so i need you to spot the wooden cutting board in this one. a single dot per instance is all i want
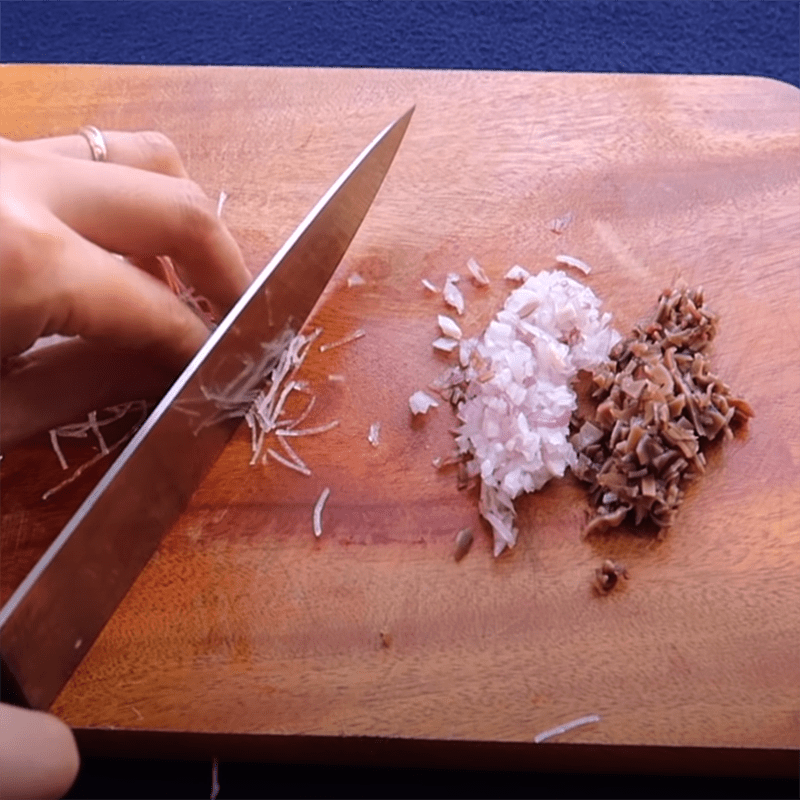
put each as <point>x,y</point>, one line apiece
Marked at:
<point>244,623</point>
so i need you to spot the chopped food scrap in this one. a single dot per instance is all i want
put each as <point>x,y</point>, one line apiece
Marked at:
<point>318,511</point>
<point>449,327</point>
<point>452,294</point>
<point>658,405</point>
<point>463,543</point>
<point>479,277</point>
<point>223,196</point>
<point>420,402</point>
<point>93,424</point>
<point>339,342</point>
<point>512,391</point>
<point>574,262</point>
<point>518,274</point>
<point>355,280</point>
<point>567,726</point>
<point>429,286</point>
<point>559,224</point>
<point>607,576</point>
<point>374,436</point>
<point>445,344</point>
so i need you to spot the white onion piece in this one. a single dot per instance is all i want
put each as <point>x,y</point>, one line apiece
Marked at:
<point>420,402</point>
<point>452,294</point>
<point>518,396</point>
<point>445,344</point>
<point>374,435</point>
<point>429,286</point>
<point>517,273</point>
<point>479,277</point>
<point>574,262</point>
<point>449,327</point>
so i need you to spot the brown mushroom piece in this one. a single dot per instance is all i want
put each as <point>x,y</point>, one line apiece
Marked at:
<point>657,404</point>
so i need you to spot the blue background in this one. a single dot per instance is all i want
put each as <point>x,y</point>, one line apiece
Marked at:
<point>683,36</point>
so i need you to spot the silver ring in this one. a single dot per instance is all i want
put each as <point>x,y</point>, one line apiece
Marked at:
<point>97,142</point>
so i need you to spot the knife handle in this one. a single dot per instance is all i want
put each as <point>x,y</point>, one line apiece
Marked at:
<point>10,691</point>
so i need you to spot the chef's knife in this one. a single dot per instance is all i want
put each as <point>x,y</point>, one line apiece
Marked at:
<point>57,612</point>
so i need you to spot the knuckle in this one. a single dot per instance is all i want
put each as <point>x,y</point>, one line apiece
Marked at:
<point>159,154</point>
<point>24,248</point>
<point>198,216</point>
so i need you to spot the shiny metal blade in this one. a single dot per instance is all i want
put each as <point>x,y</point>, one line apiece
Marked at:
<point>55,615</point>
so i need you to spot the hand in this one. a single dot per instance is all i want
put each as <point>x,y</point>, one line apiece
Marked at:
<point>63,220</point>
<point>38,755</point>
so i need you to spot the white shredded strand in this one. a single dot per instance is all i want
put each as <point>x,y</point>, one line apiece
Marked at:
<point>567,726</point>
<point>223,196</point>
<point>287,390</point>
<point>328,426</point>
<point>96,431</point>
<point>257,445</point>
<point>251,423</point>
<point>263,409</point>
<point>429,286</point>
<point>293,423</point>
<point>292,453</point>
<point>78,430</point>
<point>215,787</point>
<point>288,462</point>
<point>114,410</point>
<point>336,377</point>
<point>57,448</point>
<point>187,294</point>
<point>347,339</point>
<point>318,511</point>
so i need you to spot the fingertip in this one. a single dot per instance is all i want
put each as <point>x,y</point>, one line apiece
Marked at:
<point>39,756</point>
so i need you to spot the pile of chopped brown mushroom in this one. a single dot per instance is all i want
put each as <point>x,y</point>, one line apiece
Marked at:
<point>658,404</point>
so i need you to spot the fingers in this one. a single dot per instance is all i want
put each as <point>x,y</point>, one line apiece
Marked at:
<point>143,213</point>
<point>38,754</point>
<point>192,234</point>
<point>148,150</point>
<point>107,300</point>
<point>79,377</point>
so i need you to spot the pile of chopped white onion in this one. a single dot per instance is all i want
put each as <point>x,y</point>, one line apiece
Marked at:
<point>514,398</point>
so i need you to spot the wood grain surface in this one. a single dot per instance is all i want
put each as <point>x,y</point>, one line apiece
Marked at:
<point>244,623</point>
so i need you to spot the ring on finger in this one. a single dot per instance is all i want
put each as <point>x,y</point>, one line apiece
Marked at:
<point>97,142</point>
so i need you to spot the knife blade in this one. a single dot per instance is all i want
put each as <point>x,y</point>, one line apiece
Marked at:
<point>57,612</point>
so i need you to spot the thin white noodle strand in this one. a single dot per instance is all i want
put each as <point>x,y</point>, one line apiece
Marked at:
<point>308,431</point>
<point>347,339</point>
<point>57,448</point>
<point>292,453</point>
<point>318,511</point>
<point>287,463</point>
<point>567,726</point>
